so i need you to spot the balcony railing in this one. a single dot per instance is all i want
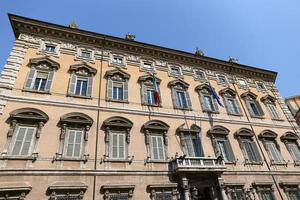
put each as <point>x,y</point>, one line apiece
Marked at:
<point>193,164</point>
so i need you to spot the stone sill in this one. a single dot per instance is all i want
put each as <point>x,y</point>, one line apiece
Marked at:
<point>36,91</point>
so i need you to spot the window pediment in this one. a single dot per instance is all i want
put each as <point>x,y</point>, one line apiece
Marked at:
<point>178,84</point>
<point>228,92</point>
<point>43,63</point>
<point>268,99</point>
<point>268,134</point>
<point>249,94</point>
<point>77,118</point>
<point>82,69</point>
<point>156,125</point>
<point>244,132</point>
<point>289,136</point>
<point>193,129</point>
<point>219,130</point>
<point>30,114</point>
<point>118,122</point>
<point>117,75</point>
<point>148,79</point>
<point>14,190</point>
<point>203,88</point>
<point>66,189</point>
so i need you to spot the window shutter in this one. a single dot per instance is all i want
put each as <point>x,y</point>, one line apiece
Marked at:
<point>215,103</point>
<point>109,89</point>
<point>229,150</point>
<point>227,105</point>
<point>72,84</point>
<point>249,151</point>
<point>121,146</point>
<point>49,80</point>
<point>294,150</point>
<point>174,98</point>
<point>27,142</point>
<point>144,96</point>
<point>160,147</point>
<point>78,141</point>
<point>89,87</point>
<point>189,146</point>
<point>238,106</point>
<point>70,145</point>
<point>154,147</point>
<point>158,88</point>
<point>261,112</point>
<point>125,92</point>
<point>256,152</point>
<point>114,146</point>
<point>29,80</point>
<point>202,102</point>
<point>188,99</point>
<point>249,108</point>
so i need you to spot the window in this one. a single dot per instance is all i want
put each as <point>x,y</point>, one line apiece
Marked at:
<point>199,75</point>
<point>14,191</point>
<point>249,147</point>
<point>150,90</point>
<point>222,79</point>
<point>260,86</point>
<point>74,143</point>
<point>41,74</point>
<point>231,103</point>
<point>264,190</point>
<point>117,86</point>
<point>221,144</point>
<point>290,140</point>
<point>64,190</point>
<point>164,191</point>
<point>86,54</point>
<point>190,141</point>
<point>294,195</point>
<point>81,80</point>
<point>235,192</point>
<point>118,60</point>
<point>117,192</point>
<point>117,138</point>
<point>291,190</point>
<point>24,133</point>
<point>253,106</point>
<point>180,96</point>
<point>270,103</point>
<point>50,48</point>
<point>242,83</point>
<point>208,102</point>
<point>175,71</point>
<point>147,65</point>
<point>156,140</point>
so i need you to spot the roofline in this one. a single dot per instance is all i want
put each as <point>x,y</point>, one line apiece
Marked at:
<point>292,97</point>
<point>13,18</point>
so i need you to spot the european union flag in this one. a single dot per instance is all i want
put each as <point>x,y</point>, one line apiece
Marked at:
<point>215,95</point>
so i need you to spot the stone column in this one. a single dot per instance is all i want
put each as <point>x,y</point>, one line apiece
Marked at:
<point>222,190</point>
<point>186,188</point>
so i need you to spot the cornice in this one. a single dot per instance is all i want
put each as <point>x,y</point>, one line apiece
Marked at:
<point>31,26</point>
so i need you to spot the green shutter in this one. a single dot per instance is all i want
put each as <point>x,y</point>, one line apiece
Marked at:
<point>72,84</point>
<point>109,89</point>
<point>125,90</point>
<point>30,78</point>
<point>89,87</point>
<point>49,81</point>
<point>78,141</point>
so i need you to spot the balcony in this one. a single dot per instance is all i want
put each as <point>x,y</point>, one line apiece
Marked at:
<point>198,164</point>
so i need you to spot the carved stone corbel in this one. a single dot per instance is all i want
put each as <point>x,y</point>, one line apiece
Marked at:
<point>107,130</point>
<point>81,194</point>
<point>39,129</point>
<point>128,136</point>
<point>63,131</point>
<point>86,129</point>
<point>53,196</point>
<point>165,138</point>
<point>130,193</point>
<point>147,139</point>
<point>12,127</point>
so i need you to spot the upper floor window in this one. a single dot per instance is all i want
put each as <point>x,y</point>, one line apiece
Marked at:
<point>175,71</point>
<point>222,79</point>
<point>269,140</point>
<point>261,86</point>
<point>150,91</point>
<point>50,48</point>
<point>231,103</point>
<point>199,75</point>
<point>207,100</point>
<point>164,192</point>
<point>117,85</point>
<point>252,104</point>
<point>147,65</point>
<point>86,54</point>
<point>24,132</point>
<point>242,83</point>
<point>180,96</point>
<point>270,103</point>
<point>117,192</point>
<point>156,140</point>
<point>41,74</point>
<point>248,146</point>
<point>221,144</point>
<point>81,80</point>
<point>117,138</point>
<point>118,60</point>
<point>291,142</point>
<point>191,141</point>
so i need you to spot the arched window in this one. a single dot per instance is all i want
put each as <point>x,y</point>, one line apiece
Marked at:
<point>40,76</point>
<point>149,87</point>
<point>269,140</point>
<point>248,146</point>
<point>252,104</point>
<point>270,103</point>
<point>291,142</point>
<point>156,140</point>
<point>190,140</point>
<point>117,138</point>
<point>73,136</point>
<point>25,129</point>
<point>231,103</point>
<point>81,80</point>
<point>208,102</point>
<point>180,95</point>
<point>221,144</point>
<point>117,85</point>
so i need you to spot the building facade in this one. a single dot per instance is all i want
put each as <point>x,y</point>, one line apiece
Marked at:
<point>293,104</point>
<point>91,116</point>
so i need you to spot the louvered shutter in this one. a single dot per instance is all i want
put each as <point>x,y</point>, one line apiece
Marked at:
<point>144,96</point>
<point>89,87</point>
<point>30,78</point>
<point>256,152</point>
<point>125,92</point>
<point>227,105</point>
<point>189,146</point>
<point>202,102</point>
<point>261,112</point>
<point>154,147</point>
<point>114,145</point>
<point>121,144</point>
<point>49,81</point>
<point>160,147</point>
<point>215,103</point>
<point>28,141</point>
<point>250,108</point>
<point>72,84</point>
<point>109,89</point>
<point>77,144</point>
<point>188,100</point>
<point>70,145</point>
<point>249,151</point>
<point>175,98</point>
<point>275,155</point>
<point>238,106</point>
<point>229,150</point>
<point>294,150</point>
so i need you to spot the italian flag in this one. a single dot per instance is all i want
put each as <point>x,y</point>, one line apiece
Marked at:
<point>156,92</point>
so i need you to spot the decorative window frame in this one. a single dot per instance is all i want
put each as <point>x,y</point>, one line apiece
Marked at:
<point>118,124</point>
<point>219,82</point>
<point>167,188</point>
<point>118,65</point>
<point>42,64</point>
<point>290,137</point>
<point>260,89</point>
<point>109,190</point>
<point>120,76</point>
<point>220,132</point>
<point>81,58</point>
<point>26,117</point>
<point>155,127</point>
<point>289,186</point>
<point>73,121</point>
<point>231,187</point>
<point>250,96</point>
<point>230,93</point>
<point>180,86</point>
<point>264,186</point>
<point>170,66</point>
<point>42,48</point>
<point>204,90</point>
<point>146,82</point>
<point>14,190</point>
<point>196,78</point>
<point>146,60</point>
<point>268,135</point>
<point>246,86</point>
<point>247,134</point>
<point>73,189</point>
<point>195,130</point>
<point>82,71</point>
<point>268,99</point>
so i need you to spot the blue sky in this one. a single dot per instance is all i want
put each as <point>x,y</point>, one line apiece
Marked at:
<point>261,33</point>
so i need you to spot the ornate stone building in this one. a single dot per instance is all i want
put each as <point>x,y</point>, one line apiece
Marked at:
<point>293,104</point>
<point>91,116</point>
